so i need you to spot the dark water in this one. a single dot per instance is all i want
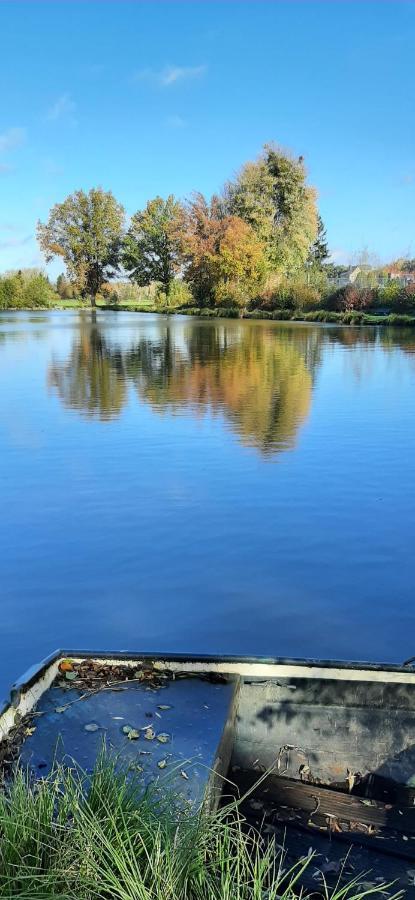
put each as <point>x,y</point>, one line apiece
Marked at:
<point>224,487</point>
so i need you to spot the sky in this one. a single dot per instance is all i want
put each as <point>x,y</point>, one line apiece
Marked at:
<point>152,98</point>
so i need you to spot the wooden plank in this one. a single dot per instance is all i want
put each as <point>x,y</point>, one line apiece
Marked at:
<point>330,803</point>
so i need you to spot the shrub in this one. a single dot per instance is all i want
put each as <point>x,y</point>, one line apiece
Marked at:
<point>11,292</point>
<point>20,290</point>
<point>350,298</point>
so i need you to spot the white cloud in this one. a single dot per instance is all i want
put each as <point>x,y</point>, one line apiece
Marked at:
<point>63,109</point>
<point>339,256</point>
<point>175,122</point>
<point>51,167</point>
<point>16,242</point>
<point>11,138</point>
<point>170,75</point>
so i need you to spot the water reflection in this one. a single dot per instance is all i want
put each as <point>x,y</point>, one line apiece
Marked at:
<point>92,378</point>
<point>258,380</point>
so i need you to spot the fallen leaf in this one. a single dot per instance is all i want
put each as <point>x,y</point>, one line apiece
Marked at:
<point>70,676</point>
<point>60,709</point>
<point>127,728</point>
<point>184,774</point>
<point>163,738</point>
<point>91,727</point>
<point>162,763</point>
<point>133,735</point>
<point>163,706</point>
<point>65,665</point>
<point>149,733</point>
<point>30,731</point>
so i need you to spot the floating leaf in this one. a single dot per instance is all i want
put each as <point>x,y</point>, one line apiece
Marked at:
<point>127,728</point>
<point>70,676</point>
<point>184,774</point>
<point>30,731</point>
<point>163,706</point>
<point>134,767</point>
<point>162,763</point>
<point>60,709</point>
<point>163,738</point>
<point>133,735</point>
<point>91,727</point>
<point>149,733</point>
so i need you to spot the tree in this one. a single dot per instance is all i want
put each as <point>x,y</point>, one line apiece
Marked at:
<point>153,246</point>
<point>226,263</point>
<point>86,230</point>
<point>241,263</point>
<point>273,197</point>
<point>319,250</point>
<point>64,288</point>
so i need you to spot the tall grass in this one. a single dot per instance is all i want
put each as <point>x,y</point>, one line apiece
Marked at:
<point>103,837</point>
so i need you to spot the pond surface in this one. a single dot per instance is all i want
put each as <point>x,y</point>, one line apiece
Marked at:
<point>206,486</point>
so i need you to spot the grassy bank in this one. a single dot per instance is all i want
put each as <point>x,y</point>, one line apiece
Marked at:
<point>100,838</point>
<point>350,317</point>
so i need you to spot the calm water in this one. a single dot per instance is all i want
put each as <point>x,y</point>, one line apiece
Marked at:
<point>229,487</point>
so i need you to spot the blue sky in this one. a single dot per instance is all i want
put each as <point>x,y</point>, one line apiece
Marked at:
<point>154,98</point>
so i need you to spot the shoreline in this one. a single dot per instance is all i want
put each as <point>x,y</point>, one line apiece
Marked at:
<point>324,317</point>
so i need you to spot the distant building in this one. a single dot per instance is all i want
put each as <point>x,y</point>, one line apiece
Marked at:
<point>366,276</point>
<point>399,275</point>
<point>358,275</point>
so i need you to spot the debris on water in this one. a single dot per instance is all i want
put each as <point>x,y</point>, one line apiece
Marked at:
<point>163,706</point>
<point>92,726</point>
<point>28,731</point>
<point>184,774</point>
<point>163,738</point>
<point>149,733</point>
<point>133,734</point>
<point>134,767</point>
<point>162,763</point>
<point>70,676</point>
<point>126,729</point>
<point>60,709</point>
<point>158,715</point>
<point>117,717</point>
<point>331,867</point>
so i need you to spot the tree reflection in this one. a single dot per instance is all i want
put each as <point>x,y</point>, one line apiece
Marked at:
<point>92,378</point>
<point>258,379</point>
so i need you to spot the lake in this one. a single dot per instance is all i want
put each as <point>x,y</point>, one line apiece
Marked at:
<point>218,486</point>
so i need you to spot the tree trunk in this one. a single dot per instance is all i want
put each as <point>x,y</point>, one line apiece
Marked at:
<point>93,301</point>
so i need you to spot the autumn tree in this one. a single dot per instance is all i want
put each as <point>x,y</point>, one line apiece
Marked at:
<point>86,231</point>
<point>226,259</point>
<point>153,246</point>
<point>273,197</point>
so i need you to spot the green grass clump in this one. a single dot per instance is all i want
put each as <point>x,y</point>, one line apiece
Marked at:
<point>103,837</point>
